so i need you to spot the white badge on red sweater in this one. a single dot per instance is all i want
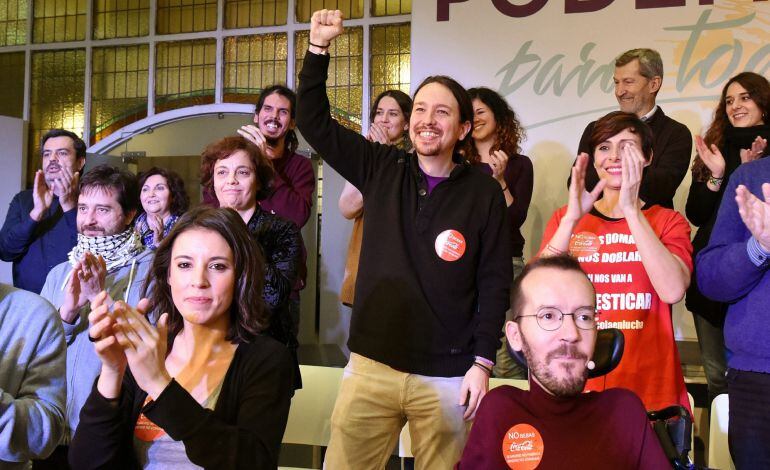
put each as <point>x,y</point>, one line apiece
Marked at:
<point>523,447</point>
<point>450,245</point>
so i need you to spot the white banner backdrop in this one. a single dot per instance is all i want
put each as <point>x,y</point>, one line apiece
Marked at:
<point>553,61</point>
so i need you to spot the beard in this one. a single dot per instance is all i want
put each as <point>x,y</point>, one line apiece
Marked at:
<point>568,386</point>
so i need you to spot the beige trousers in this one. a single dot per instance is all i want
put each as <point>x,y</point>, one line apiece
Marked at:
<point>374,403</point>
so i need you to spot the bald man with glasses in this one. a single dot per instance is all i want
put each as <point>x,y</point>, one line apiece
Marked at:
<point>554,424</point>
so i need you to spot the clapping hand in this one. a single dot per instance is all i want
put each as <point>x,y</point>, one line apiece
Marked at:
<point>155,222</point>
<point>711,157</point>
<point>42,197</point>
<point>102,333</point>
<point>498,160</point>
<point>632,166</point>
<point>757,150</point>
<point>85,282</point>
<point>755,213</point>
<point>66,188</point>
<point>580,200</point>
<point>144,346</point>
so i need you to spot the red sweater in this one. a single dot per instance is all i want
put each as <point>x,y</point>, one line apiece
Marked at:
<point>532,429</point>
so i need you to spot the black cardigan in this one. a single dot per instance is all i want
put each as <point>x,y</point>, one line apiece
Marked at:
<point>244,430</point>
<point>414,311</point>
<point>701,210</point>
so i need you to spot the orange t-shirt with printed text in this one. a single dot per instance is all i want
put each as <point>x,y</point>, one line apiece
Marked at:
<point>626,299</point>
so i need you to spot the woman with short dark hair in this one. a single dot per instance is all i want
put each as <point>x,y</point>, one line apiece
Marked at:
<point>237,172</point>
<point>638,256</point>
<point>163,199</point>
<point>204,388</point>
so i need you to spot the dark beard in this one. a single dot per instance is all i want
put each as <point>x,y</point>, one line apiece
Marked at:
<point>567,387</point>
<point>273,141</point>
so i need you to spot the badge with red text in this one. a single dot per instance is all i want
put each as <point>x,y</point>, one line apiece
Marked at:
<point>145,430</point>
<point>523,447</point>
<point>583,244</point>
<point>450,245</point>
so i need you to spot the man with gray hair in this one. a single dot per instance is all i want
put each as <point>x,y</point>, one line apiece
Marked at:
<point>638,78</point>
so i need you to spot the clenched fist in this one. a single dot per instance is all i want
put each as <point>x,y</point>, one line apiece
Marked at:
<point>325,25</point>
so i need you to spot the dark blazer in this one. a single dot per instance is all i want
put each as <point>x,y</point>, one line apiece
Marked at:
<point>36,247</point>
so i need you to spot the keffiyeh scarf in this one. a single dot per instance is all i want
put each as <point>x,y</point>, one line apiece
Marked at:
<point>116,250</point>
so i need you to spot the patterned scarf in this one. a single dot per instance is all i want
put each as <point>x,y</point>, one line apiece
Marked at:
<point>117,250</point>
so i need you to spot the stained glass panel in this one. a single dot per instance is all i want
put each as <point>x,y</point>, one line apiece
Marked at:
<point>118,88</point>
<point>253,63</point>
<point>391,7</point>
<point>121,18</point>
<point>185,73</point>
<point>59,20</point>
<point>253,13</point>
<point>13,22</point>
<point>345,83</point>
<point>390,58</point>
<point>56,96</point>
<point>186,16</point>
<point>12,84</point>
<point>349,8</point>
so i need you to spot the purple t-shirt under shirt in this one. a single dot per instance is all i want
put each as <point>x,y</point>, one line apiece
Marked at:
<point>433,181</point>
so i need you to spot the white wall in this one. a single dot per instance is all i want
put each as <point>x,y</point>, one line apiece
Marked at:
<point>13,161</point>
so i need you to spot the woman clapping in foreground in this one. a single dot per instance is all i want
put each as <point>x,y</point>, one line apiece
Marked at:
<point>204,388</point>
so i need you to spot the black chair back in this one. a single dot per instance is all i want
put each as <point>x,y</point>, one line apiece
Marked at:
<point>607,353</point>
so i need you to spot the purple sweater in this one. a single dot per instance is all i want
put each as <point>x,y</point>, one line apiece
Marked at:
<point>520,180</point>
<point>293,187</point>
<point>592,430</point>
<point>727,274</point>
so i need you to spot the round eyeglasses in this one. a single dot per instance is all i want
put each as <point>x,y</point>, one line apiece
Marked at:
<point>551,318</point>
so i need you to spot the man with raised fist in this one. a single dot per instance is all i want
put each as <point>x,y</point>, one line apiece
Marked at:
<point>434,272</point>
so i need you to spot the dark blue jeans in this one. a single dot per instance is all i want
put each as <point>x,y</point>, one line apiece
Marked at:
<point>749,427</point>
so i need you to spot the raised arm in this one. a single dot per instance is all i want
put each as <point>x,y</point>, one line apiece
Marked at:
<point>580,203</point>
<point>733,263</point>
<point>349,153</point>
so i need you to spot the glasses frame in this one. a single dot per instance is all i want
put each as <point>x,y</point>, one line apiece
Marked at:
<point>561,317</point>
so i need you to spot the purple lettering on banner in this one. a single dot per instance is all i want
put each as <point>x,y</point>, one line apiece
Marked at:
<point>585,6</point>
<point>708,2</point>
<point>442,9</point>
<point>642,4</point>
<point>519,11</point>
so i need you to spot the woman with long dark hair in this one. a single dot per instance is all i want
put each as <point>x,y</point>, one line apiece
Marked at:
<point>389,118</point>
<point>203,388</point>
<point>738,134</point>
<point>497,136</point>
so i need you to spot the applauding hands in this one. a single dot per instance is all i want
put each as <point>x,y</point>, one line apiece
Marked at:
<point>123,336</point>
